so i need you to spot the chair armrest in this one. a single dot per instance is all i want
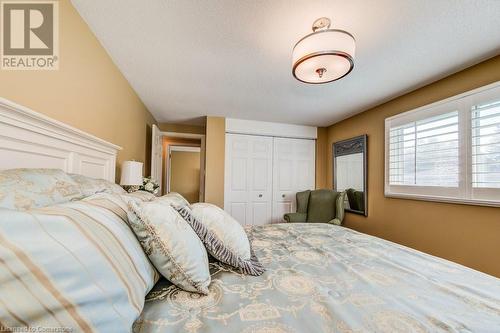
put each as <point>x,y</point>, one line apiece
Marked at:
<point>339,209</point>
<point>295,217</point>
<point>335,221</point>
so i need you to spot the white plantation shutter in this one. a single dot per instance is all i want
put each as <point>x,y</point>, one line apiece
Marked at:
<point>486,145</point>
<point>402,155</point>
<point>425,152</point>
<point>447,151</point>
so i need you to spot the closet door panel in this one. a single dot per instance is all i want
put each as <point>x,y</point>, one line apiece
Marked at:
<point>305,161</point>
<point>248,177</point>
<point>261,213</point>
<point>260,180</point>
<point>236,180</point>
<point>238,174</point>
<point>294,171</point>
<point>283,175</point>
<point>238,210</point>
<point>280,208</point>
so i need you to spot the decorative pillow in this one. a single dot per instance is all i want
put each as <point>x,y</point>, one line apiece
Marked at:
<point>90,186</point>
<point>76,265</point>
<point>23,189</point>
<point>141,195</point>
<point>224,238</point>
<point>174,199</point>
<point>171,244</point>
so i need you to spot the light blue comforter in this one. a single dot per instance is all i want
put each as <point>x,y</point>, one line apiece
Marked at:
<point>325,278</point>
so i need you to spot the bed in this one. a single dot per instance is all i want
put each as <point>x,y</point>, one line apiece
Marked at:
<point>319,277</point>
<point>326,278</point>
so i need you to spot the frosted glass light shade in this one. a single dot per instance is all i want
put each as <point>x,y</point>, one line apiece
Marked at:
<point>131,173</point>
<point>323,56</point>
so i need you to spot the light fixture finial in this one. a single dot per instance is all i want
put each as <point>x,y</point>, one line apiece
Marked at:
<point>322,23</point>
<point>321,71</point>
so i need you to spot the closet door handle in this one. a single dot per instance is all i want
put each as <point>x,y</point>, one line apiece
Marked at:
<point>282,195</point>
<point>260,195</point>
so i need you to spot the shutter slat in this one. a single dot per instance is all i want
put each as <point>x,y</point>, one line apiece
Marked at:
<point>439,142</point>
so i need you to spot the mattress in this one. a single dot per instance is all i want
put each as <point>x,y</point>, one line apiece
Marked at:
<point>326,278</point>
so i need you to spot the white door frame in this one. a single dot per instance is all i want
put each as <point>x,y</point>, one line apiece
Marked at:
<point>202,153</point>
<point>178,147</point>
<point>156,156</point>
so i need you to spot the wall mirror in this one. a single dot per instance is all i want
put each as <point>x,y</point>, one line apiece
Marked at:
<point>349,173</point>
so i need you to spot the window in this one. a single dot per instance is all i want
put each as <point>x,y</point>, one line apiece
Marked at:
<point>447,151</point>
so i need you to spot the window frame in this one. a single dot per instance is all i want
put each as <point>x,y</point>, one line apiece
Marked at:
<point>464,193</point>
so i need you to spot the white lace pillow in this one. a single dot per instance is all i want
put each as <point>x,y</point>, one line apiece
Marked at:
<point>224,238</point>
<point>171,244</point>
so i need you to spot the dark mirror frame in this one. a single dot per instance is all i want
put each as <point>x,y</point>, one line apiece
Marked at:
<point>354,145</point>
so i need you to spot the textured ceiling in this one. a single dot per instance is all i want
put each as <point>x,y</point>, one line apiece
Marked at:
<point>191,58</point>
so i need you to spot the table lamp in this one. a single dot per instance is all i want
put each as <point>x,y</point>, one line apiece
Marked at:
<point>131,177</point>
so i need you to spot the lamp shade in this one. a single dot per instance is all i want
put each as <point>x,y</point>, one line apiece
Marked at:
<point>131,173</point>
<point>323,56</point>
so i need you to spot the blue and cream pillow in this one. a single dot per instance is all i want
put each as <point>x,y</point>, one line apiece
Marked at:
<point>90,186</point>
<point>76,265</point>
<point>172,246</point>
<point>224,238</point>
<point>23,189</point>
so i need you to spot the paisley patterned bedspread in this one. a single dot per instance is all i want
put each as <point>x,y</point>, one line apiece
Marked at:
<point>325,278</point>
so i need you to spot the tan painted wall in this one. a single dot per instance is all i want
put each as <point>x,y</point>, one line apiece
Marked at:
<point>88,91</point>
<point>185,174</point>
<point>321,157</point>
<point>181,128</point>
<point>466,234</point>
<point>214,167</point>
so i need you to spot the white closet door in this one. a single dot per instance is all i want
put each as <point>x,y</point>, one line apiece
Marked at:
<point>248,178</point>
<point>293,171</point>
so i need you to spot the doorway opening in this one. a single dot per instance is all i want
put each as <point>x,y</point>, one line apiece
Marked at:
<point>182,163</point>
<point>178,163</point>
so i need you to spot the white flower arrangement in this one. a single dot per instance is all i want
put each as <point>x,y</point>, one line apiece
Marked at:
<point>149,185</point>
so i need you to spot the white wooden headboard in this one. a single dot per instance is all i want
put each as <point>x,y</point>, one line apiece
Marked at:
<point>31,140</point>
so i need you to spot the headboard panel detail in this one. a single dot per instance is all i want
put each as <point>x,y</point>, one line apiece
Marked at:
<point>31,140</point>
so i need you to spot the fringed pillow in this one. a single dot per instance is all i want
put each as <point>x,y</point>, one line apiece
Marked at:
<point>171,244</point>
<point>224,238</point>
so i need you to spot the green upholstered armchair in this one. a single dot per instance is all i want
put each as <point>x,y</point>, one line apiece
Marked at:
<point>356,199</point>
<point>325,206</point>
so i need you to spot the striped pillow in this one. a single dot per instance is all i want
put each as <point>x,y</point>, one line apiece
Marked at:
<point>76,265</point>
<point>224,238</point>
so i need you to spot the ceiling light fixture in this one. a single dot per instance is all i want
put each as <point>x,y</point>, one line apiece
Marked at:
<point>323,56</point>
